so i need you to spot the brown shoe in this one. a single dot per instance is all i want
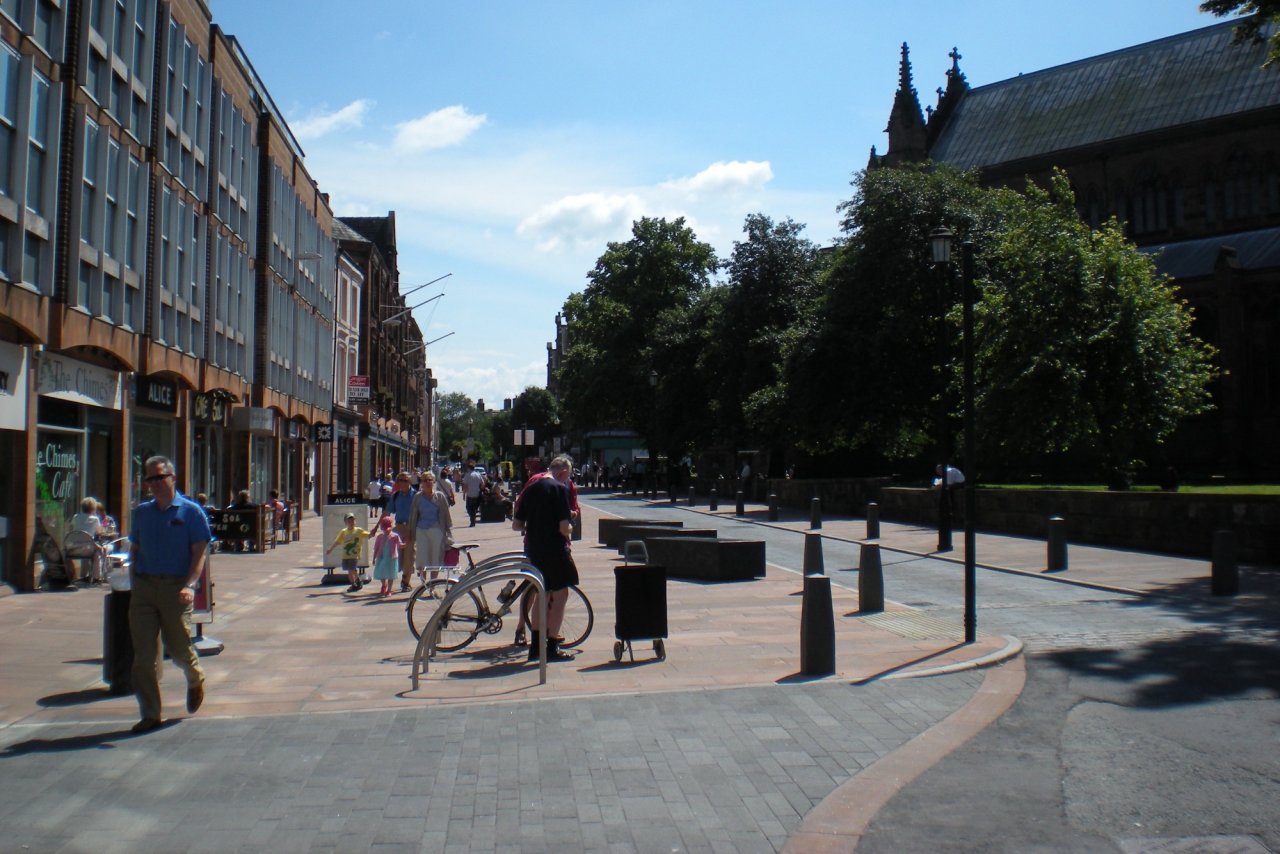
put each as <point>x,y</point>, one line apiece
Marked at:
<point>195,696</point>
<point>146,725</point>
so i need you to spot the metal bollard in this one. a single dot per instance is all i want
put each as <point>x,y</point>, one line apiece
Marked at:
<point>692,497</point>
<point>815,513</point>
<point>817,628</point>
<point>813,555</point>
<point>742,507</point>
<point>1057,559</point>
<point>1226,572</point>
<point>773,507</point>
<point>873,521</point>
<point>870,579</point>
<point>715,500</point>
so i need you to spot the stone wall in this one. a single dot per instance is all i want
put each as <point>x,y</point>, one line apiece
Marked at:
<point>1168,522</point>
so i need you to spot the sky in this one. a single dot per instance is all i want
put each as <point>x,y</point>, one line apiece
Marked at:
<point>515,140</point>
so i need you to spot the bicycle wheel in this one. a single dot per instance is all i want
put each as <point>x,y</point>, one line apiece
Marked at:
<point>458,628</point>
<point>579,617</point>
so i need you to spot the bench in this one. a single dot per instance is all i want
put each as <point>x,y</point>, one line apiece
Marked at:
<point>706,559</point>
<point>611,536</point>
<point>644,532</point>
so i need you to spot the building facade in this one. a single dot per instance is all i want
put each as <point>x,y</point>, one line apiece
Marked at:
<point>1179,140</point>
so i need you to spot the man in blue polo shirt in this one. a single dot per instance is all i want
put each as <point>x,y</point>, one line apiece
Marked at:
<point>170,538</point>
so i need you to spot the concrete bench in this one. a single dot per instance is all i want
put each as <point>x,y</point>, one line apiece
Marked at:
<point>610,534</point>
<point>706,559</point>
<point>644,532</point>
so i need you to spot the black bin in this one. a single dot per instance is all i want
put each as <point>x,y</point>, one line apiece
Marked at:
<point>117,643</point>
<point>640,603</point>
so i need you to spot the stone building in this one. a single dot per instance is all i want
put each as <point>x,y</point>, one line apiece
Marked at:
<point>1179,139</point>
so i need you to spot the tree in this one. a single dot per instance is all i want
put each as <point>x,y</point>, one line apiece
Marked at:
<point>865,364</point>
<point>1081,343</point>
<point>631,320</point>
<point>772,274</point>
<point>1259,14</point>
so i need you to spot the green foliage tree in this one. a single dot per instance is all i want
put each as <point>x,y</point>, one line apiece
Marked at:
<point>772,275</point>
<point>1081,343</point>
<point>631,320</point>
<point>1257,14</point>
<point>865,364</point>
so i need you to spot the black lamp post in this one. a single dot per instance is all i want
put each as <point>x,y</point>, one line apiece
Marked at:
<point>653,419</point>
<point>940,243</point>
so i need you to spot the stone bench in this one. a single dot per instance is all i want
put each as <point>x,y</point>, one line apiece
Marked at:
<point>612,535</point>
<point>645,532</point>
<point>707,559</point>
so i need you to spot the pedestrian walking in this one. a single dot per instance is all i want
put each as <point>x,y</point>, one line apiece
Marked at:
<point>169,543</point>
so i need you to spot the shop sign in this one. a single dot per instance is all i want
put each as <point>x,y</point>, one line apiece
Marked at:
<point>254,419</point>
<point>322,432</point>
<point>357,389</point>
<point>157,393</point>
<point>13,386</point>
<point>209,408</point>
<point>79,382</point>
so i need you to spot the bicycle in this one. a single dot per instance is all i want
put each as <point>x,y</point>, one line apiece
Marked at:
<point>472,614</point>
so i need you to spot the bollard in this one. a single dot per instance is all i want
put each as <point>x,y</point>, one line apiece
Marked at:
<point>773,507</point>
<point>715,500</point>
<point>870,579</point>
<point>1226,573</point>
<point>813,555</point>
<point>815,513</point>
<point>742,508</point>
<point>817,628</point>
<point>692,497</point>
<point>1057,560</point>
<point>873,521</point>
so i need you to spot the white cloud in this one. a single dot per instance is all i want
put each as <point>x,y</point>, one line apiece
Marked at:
<point>581,219</point>
<point>319,124</point>
<point>439,129</point>
<point>721,177</point>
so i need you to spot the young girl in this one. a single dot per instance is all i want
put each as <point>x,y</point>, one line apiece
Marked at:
<point>386,554</point>
<point>350,538</point>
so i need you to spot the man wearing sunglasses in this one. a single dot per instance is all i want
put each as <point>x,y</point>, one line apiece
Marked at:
<point>170,537</point>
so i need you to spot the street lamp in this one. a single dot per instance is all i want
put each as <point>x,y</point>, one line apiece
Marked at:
<point>940,244</point>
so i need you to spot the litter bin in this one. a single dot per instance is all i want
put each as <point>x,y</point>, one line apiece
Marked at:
<point>117,644</point>
<point>640,603</point>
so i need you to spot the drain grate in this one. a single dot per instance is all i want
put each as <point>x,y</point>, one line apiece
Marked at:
<point>916,625</point>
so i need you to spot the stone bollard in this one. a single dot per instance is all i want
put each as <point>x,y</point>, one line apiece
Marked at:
<point>870,579</point>
<point>1057,560</point>
<point>1226,572</point>
<point>817,628</point>
<point>773,507</point>
<point>815,513</point>
<point>742,507</point>
<point>813,555</point>
<point>715,500</point>
<point>873,521</point>
<point>692,497</point>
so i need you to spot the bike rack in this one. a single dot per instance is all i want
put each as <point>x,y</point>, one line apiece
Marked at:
<point>507,568</point>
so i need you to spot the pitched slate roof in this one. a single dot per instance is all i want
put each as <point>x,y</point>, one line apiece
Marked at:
<point>1180,80</point>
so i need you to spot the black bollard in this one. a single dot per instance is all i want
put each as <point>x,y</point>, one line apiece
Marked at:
<point>742,507</point>
<point>1057,560</point>
<point>692,497</point>
<point>773,507</point>
<point>817,628</point>
<point>873,521</point>
<point>715,500</point>
<point>813,555</point>
<point>870,579</point>
<point>1226,572</point>
<point>815,513</point>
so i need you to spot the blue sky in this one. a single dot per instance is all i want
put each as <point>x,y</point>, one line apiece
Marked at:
<point>514,140</point>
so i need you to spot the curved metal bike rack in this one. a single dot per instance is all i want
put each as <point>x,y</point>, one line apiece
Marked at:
<point>519,570</point>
